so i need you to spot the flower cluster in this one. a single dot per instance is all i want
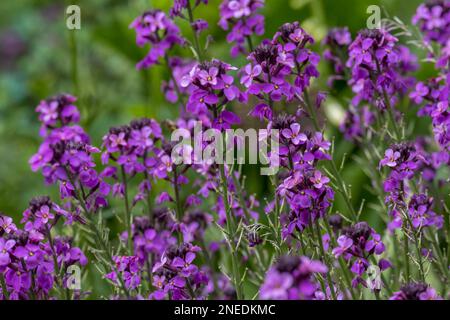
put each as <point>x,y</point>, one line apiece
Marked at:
<point>405,160</point>
<point>416,291</point>
<point>274,62</point>
<point>57,111</point>
<point>179,69</point>
<point>357,122</point>
<point>242,17</point>
<point>337,42</point>
<point>177,276</point>
<point>133,149</point>
<point>435,94</point>
<point>179,5</point>
<point>305,188</point>
<point>192,228</point>
<point>211,88</point>
<point>32,262</point>
<point>420,210</point>
<point>129,268</point>
<point>292,278</point>
<point>357,244</point>
<point>433,19</point>
<point>155,28</point>
<point>65,155</point>
<point>378,66</point>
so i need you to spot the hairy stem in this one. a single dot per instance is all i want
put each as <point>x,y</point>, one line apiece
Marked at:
<point>127,211</point>
<point>195,35</point>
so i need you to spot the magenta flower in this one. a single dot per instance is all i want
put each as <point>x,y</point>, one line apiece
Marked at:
<point>319,180</point>
<point>44,215</point>
<point>208,77</point>
<point>200,100</point>
<point>294,134</point>
<point>225,120</point>
<point>344,243</point>
<point>262,111</point>
<point>292,278</point>
<point>390,158</point>
<point>7,224</point>
<point>250,74</point>
<point>375,244</point>
<point>5,248</point>
<point>185,264</point>
<point>420,92</point>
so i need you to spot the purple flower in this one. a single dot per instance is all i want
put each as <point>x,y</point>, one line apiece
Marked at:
<point>58,110</point>
<point>344,243</point>
<point>294,134</point>
<point>433,20</point>
<point>242,17</point>
<point>199,25</point>
<point>200,101</point>
<point>5,249</point>
<point>277,286</point>
<point>416,291</point>
<point>390,158</point>
<point>250,74</point>
<point>375,244</point>
<point>155,28</point>
<point>291,278</point>
<point>208,77</point>
<point>262,111</point>
<point>225,120</point>
<point>185,264</point>
<point>319,180</point>
<point>420,92</point>
<point>421,213</point>
<point>7,224</point>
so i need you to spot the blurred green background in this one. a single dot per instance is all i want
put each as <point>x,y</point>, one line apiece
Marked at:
<point>40,57</point>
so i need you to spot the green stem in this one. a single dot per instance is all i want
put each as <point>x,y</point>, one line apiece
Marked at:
<point>389,108</point>
<point>249,43</point>
<point>406,254</point>
<point>127,211</point>
<point>4,289</point>
<point>230,226</point>
<point>196,40</point>
<point>322,252</point>
<point>342,264</point>
<point>55,260</point>
<point>179,207</point>
<point>74,62</point>
<point>99,239</point>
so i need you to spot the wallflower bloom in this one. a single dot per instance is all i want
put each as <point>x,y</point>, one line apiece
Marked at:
<point>211,86</point>
<point>416,291</point>
<point>356,245</point>
<point>58,110</point>
<point>5,248</point>
<point>281,68</point>
<point>337,42</point>
<point>291,278</point>
<point>242,18</point>
<point>433,19</point>
<point>155,28</point>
